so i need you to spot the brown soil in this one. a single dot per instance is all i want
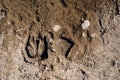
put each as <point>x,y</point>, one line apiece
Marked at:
<point>31,50</point>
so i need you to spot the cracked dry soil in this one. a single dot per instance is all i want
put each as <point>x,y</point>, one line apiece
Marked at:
<point>59,39</point>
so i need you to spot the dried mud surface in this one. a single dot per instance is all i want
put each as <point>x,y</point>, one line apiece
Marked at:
<point>30,48</point>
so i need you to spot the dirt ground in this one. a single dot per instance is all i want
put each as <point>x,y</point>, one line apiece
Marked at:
<point>59,39</point>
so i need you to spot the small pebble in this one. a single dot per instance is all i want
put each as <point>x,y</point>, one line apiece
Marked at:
<point>83,34</point>
<point>2,15</point>
<point>51,40</point>
<point>9,22</point>
<point>93,35</point>
<point>54,50</point>
<point>56,28</point>
<point>19,37</point>
<point>85,24</point>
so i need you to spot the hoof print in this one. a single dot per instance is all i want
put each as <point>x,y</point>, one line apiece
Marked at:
<point>36,47</point>
<point>64,46</point>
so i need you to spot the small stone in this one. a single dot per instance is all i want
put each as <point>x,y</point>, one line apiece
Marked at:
<point>19,37</point>
<point>83,34</point>
<point>85,24</point>
<point>53,50</point>
<point>93,35</point>
<point>2,15</point>
<point>56,28</point>
<point>9,23</point>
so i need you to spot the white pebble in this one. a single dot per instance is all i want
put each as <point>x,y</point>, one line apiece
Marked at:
<point>83,34</point>
<point>56,28</point>
<point>93,35</point>
<point>2,16</point>
<point>9,22</point>
<point>51,40</point>
<point>19,37</point>
<point>54,50</point>
<point>85,24</point>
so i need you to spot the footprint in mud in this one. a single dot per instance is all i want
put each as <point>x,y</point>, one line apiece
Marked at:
<point>37,47</point>
<point>64,46</point>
